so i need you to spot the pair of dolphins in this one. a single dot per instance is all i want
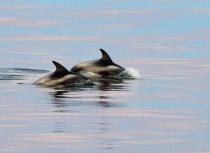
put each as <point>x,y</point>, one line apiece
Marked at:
<point>103,67</point>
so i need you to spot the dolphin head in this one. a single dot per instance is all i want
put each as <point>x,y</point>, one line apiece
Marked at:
<point>61,76</point>
<point>101,67</point>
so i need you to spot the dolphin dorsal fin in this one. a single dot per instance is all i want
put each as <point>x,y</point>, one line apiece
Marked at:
<point>105,56</point>
<point>59,67</point>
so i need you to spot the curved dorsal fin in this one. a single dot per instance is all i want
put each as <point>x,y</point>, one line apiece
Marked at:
<point>59,67</point>
<point>105,56</point>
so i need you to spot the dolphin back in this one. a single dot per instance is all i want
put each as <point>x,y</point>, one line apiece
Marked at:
<point>98,68</point>
<point>61,76</point>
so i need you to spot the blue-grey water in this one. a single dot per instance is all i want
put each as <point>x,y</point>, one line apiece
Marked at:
<point>166,110</point>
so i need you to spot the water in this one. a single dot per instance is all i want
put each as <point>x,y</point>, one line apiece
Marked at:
<point>166,110</point>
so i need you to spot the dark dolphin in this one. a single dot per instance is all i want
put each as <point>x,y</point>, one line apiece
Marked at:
<point>99,68</point>
<point>62,76</point>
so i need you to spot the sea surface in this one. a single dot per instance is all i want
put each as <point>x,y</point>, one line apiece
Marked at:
<point>167,109</point>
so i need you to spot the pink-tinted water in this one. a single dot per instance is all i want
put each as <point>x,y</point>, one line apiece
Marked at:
<point>166,110</point>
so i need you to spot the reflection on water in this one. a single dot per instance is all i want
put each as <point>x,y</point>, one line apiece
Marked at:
<point>111,115</point>
<point>59,127</point>
<point>166,111</point>
<point>63,96</point>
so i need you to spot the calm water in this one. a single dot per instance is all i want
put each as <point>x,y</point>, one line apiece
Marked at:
<point>166,110</point>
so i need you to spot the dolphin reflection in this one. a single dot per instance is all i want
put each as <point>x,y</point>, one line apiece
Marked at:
<point>64,96</point>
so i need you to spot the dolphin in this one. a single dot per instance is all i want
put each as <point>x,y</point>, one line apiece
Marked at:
<point>62,76</point>
<point>103,67</point>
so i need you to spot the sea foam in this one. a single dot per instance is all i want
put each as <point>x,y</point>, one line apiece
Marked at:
<point>129,73</point>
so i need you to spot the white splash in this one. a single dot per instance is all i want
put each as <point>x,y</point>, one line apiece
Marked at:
<point>130,73</point>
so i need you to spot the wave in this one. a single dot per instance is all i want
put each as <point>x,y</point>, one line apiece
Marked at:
<point>22,70</point>
<point>8,74</point>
